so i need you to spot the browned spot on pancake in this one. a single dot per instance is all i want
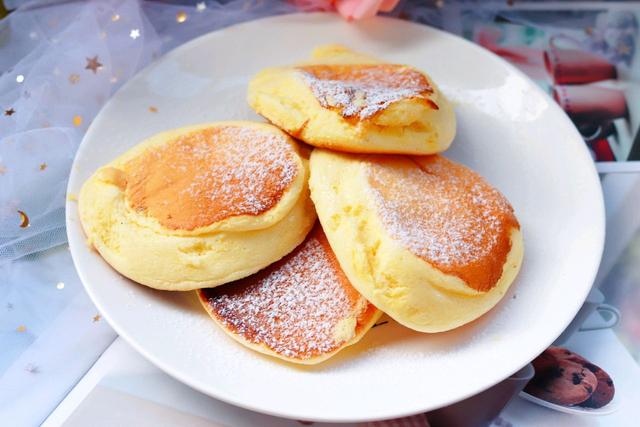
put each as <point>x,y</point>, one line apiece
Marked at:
<point>446,214</point>
<point>294,305</point>
<point>210,175</point>
<point>362,91</point>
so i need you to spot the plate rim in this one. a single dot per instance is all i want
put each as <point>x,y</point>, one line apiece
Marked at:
<point>607,409</point>
<point>226,397</point>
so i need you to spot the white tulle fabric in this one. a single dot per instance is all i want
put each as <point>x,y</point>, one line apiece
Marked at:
<point>51,97</point>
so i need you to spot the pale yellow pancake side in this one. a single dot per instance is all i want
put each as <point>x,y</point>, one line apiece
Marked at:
<point>384,271</point>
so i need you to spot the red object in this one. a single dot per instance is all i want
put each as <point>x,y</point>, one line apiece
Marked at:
<point>574,66</point>
<point>589,103</point>
<point>602,150</point>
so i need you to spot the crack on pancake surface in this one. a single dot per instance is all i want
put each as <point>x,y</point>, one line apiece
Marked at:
<point>363,90</point>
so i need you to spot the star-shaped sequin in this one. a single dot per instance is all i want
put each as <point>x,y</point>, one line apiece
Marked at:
<point>9,112</point>
<point>97,318</point>
<point>623,49</point>
<point>135,33</point>
<point>93,64</point>
<point>201,6</point>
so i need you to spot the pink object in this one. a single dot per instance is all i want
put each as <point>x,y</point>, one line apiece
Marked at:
<point>489,39</point>
<point>528,60</point>
<point>574,66</point>
<point>589,103</point>
<point>362,9</point>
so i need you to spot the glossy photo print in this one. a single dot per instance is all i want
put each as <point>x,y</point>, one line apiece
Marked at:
<point>586,58</point>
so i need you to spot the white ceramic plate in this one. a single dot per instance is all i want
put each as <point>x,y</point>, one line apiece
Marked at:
<point>508,130</point>
<point>610,408</point>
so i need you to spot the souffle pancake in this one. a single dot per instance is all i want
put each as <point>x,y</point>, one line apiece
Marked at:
<point>301,309</point>
<point>425,239</point>
<point>347,101</point>
<point>199,206</point>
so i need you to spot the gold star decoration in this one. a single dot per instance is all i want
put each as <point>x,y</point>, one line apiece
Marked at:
<point>135,33</point>
<point>153,109</point>
<point>21,329</point>
<point>24,219</point>
<point>93,64</point>
<point>97,318</point>
<point>74,78</point>
<point>115,17</point>
<point>623,49</point>
<point>9,112</point>
<point>77,120</point>
<point>181,17</point>
<point>201,6</point>
<point>43,166</point>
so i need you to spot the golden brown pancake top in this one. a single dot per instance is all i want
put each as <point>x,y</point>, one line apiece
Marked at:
<point>364,90</point>
<point>445,214</point>
<point>294,305</point>
<point>210,175</point>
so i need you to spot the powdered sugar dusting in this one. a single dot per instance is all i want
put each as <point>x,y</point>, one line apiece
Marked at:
<point>210,175</point>
<point>445,214</point>
<point>364,90</point>
<point>293,306</point>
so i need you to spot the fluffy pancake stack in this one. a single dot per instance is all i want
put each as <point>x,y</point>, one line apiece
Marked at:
<point>226,208</point>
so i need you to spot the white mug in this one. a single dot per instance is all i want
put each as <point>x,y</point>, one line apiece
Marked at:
<point>594,302</point>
